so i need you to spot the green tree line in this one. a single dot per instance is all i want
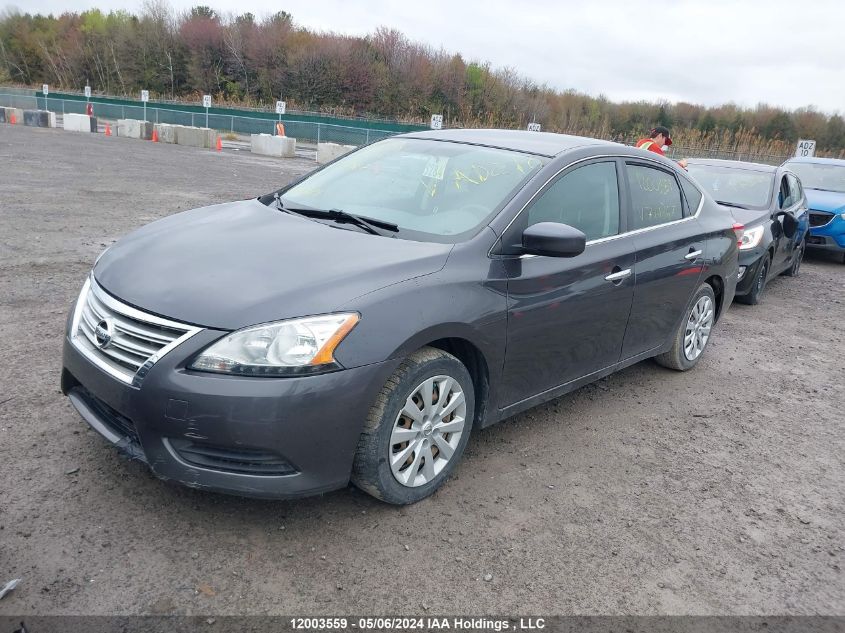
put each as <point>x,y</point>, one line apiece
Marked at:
<point>242,59</point>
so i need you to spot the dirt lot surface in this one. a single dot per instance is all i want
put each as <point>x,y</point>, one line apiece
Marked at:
<point>717,491</point>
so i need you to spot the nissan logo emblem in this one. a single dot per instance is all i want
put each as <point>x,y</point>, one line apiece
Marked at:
<point>103,333</point>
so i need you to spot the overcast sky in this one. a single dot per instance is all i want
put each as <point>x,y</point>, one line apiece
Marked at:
<point>785,53</point>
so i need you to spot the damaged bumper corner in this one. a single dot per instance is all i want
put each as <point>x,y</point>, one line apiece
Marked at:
<point>257,437</point>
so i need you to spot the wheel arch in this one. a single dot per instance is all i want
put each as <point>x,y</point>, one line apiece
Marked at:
<point>473,359</point>
<point>718,285</point>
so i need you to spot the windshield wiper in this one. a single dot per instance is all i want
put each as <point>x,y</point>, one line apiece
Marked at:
<point>370,225</point>
<point>821,189</point>
<point>731,204</point>
<point>281,207</point>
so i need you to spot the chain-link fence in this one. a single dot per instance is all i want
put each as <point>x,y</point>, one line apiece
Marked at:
<point>236,124</point>
<point>727,153</point>
<point>679,150</point>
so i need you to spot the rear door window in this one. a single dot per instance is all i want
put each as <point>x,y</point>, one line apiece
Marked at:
<point>692,194</point>
<point>655,197</point>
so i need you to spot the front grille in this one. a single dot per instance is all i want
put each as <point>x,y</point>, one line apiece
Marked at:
<point>820,218</point>
<point>121,340</point>
<point>248,461</point>
<point>118,423</point>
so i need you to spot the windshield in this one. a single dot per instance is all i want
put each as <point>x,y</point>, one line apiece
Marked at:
<point>432,190</point>
<point>820,176</point>
<point>742,187</point>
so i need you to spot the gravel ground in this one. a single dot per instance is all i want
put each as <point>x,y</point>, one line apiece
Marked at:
<point>718,491</point>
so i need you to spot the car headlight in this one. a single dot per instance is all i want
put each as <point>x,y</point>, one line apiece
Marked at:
<point>286,348</point>
<point>751,237</point>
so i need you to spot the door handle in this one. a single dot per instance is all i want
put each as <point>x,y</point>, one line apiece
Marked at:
<point>693,255</point>
<point>618,276</point>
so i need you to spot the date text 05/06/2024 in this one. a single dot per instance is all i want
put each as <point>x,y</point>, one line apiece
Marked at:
<point>432,623</point>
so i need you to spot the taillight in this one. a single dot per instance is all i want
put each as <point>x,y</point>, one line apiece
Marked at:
<point>738,229</point>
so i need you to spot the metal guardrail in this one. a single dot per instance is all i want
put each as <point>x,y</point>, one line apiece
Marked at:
<point>236,124</point>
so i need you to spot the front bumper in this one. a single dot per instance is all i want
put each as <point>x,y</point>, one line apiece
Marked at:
<point>749,261</point>
<point>256,437</point>
<point>829,237</point>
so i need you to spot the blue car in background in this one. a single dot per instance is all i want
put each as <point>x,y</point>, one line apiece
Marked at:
<point>824,187</point>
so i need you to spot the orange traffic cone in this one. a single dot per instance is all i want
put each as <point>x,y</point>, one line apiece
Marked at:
<point>12,119</point>
<point>108,129</point>
<point>154,139</point>
<point>219,144</point>
<point>280,129</point>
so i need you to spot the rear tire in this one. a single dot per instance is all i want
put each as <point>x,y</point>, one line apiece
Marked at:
<point>412,439</point>
<point>693,333</point>
<point>753,297</point>
<point>797,258</point>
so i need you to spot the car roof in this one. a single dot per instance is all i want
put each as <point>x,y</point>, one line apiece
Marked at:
<point>733,164</point>
<point>541,143</point>
<point>814,159</point>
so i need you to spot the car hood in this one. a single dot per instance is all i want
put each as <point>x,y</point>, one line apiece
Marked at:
<point>747,217</point>
<point>820,200</point>
<point>243,263</point>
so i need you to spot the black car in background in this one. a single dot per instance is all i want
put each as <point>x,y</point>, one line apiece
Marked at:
<point>770,204</point>
<point>360,323</point>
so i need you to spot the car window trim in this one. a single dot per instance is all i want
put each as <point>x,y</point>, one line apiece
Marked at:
<point>601,240</point>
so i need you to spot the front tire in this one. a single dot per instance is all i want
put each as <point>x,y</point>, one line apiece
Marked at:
<point>693,334</point>
<point>797,258</point>
<point>417,429</point>
<point>753,297</point>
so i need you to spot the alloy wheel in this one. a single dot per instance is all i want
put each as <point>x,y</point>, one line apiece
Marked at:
<point>697,332</point>
<point>761,278</point>
<point>427,431</point>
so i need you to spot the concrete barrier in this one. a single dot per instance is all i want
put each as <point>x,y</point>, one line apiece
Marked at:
<point>17,112</point>
<point>135,128</point>
<point>79,123</point>
<point>327,152</point>
<point>166,132</point>
<point>35,118</point>
<point>203,137</point>
<point>269,145</point>
<point>39,118</point>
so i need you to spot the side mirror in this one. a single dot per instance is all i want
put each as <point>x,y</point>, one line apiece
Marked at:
<point>553,239</point>
<point>790,224</point>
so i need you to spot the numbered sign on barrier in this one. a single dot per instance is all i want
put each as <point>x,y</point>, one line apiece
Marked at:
<point>145,95</point>
<point>806,147</point>
<point>436,121</point>
<point>206,101</point>
<point>45,89</point>
<point>280,107</point>
<point>87,92</point>
<point>533,127</point>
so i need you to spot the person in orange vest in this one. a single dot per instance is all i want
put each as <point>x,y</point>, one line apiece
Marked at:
<point>657,141</point>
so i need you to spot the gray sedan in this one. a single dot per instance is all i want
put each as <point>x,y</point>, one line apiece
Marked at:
<point>361,323</point>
